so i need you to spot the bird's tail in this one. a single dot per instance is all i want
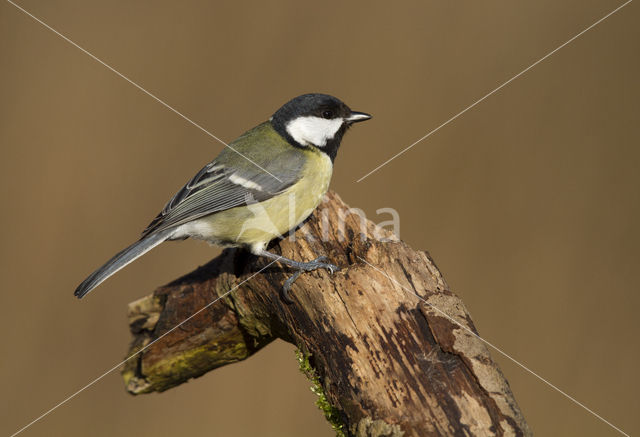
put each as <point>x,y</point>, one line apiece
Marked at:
<point>120,260</point>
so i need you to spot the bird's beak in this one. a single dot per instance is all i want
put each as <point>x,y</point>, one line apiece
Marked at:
<point>356,116</point>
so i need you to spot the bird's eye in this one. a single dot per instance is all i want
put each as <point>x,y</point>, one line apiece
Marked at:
<point>327,114</point>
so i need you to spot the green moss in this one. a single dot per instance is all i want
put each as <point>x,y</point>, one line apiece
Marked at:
<point>195,362</point>
<point>127,375</point>
<point>331,413</point>
<point>181,366</point>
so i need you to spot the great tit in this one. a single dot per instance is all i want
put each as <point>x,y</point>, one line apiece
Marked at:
<point>262,185</point>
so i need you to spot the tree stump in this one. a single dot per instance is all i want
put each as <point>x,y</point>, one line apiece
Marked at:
<point>383,361</point>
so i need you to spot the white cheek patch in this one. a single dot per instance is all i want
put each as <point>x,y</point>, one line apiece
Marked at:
<point>312,130</point>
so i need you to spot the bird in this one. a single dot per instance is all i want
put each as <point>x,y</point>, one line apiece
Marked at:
<point>261,185</point>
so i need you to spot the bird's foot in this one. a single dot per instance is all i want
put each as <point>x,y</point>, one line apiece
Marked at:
<point>318,263</point>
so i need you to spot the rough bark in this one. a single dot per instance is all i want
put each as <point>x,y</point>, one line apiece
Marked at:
<point>383,361</point>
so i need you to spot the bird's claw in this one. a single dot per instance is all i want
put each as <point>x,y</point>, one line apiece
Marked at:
<point>321,263</point>
<point>286,287</point>
<point>318,263</point>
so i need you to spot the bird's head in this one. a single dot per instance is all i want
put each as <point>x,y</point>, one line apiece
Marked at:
<point>315,120</point>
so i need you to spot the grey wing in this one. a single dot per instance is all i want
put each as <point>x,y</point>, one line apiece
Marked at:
<point>216,188</point>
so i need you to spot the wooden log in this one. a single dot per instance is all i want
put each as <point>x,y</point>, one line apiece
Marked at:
<point>391,351</point>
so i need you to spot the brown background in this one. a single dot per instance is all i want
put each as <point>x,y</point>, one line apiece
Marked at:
<point>528,202</point>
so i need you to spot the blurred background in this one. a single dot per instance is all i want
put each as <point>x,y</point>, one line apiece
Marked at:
<point>528,202</point>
